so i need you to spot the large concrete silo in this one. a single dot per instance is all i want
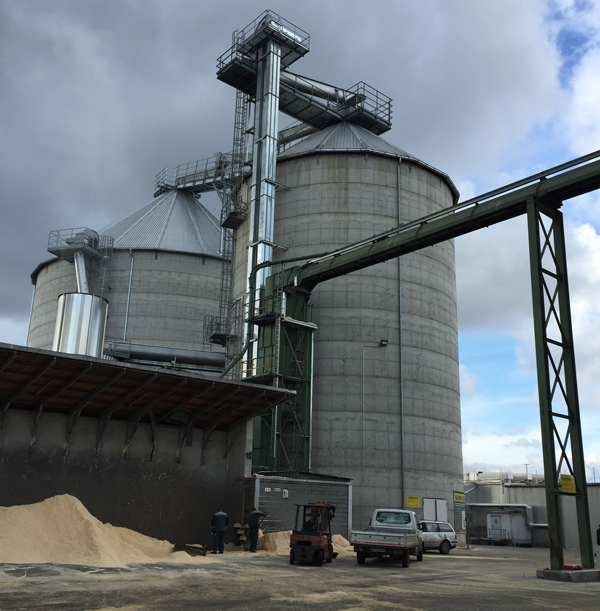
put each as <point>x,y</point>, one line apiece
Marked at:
<point>386,409</point>
<point>163,277</point>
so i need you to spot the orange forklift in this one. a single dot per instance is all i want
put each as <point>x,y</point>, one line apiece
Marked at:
<point>311,539</point>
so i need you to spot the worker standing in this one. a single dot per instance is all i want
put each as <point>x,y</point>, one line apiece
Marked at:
<point>219,523</point>
<point>254,524</point>
<point>598,535</point>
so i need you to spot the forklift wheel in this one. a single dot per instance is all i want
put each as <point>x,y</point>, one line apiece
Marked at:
<point>292,557</point>
<point>330,555</point>
<point>319,558</point>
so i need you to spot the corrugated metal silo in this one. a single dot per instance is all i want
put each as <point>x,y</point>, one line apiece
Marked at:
<point>164,275</point>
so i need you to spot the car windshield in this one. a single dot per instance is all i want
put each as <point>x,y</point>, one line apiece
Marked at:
<point>392,517</point>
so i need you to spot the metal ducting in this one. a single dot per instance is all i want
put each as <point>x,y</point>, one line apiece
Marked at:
<point>80,324</point>
<point>161,354</point>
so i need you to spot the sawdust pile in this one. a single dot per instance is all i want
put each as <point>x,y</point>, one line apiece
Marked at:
<point>61,530</point>
<point>276,543</point>
<point>279,543</point>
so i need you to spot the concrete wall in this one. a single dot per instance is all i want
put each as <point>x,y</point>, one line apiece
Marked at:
<point>170,294</point>
<point>334,200</point>
<point>162,498</point>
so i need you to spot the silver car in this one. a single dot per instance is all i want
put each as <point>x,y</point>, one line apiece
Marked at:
<point>438,535</point>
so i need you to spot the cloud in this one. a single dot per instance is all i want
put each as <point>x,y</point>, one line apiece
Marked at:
<point>468,382</point>
<point>503,452</point>
<point>524,443</point>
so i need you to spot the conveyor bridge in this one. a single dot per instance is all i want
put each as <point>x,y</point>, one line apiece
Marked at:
<point>284,356</point>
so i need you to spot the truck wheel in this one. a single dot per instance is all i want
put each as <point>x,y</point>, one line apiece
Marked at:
<point>360,558</point>
<point>319,558</point>
<point>420,554</point>
<point>445,547</point>
<point>406,559</point>
<point>292,556</point>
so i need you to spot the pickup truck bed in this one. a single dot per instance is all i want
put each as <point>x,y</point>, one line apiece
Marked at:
<point>380,539</point>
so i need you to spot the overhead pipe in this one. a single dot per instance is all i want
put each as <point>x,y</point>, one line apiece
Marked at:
<point>80,272</point>
<point>128,296</point>
<point>319,89</point>
<point>164,354</point>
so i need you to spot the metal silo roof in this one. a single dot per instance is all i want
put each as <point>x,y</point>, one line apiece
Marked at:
<point>346,137</point>
<point>175,221</point>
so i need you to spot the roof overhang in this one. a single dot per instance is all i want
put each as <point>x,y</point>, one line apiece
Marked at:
<point>43,380</point>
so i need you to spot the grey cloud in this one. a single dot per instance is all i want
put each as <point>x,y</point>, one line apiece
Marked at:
<point>524,443</point>
<point>97,97</point>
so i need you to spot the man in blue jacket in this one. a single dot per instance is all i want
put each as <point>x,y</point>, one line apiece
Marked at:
<point>218,524</point>
<point>254,524</point>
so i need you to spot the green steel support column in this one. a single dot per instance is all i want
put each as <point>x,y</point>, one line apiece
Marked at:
<point>586,549</point>
<point>544,392</point>
<point>284,359</point>
<point>557,381</point>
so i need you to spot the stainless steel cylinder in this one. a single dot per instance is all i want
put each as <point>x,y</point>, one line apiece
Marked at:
<point>80,324</point>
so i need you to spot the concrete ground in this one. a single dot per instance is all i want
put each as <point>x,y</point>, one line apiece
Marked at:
<point>487,578</point>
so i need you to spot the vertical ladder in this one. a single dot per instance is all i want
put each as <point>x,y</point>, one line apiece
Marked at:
<point>231,217</point>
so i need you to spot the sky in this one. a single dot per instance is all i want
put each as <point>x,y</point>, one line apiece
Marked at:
<point>96,98</point>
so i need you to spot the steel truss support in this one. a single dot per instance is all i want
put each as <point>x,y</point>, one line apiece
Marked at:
<point>557,381</point>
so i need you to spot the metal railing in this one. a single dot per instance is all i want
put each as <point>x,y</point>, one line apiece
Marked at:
<point>271,24</point>
<point>205,172</point>
<point>258,366</point>
<point>64,242</point>
<point>372,101</point>
<point>482,534</point>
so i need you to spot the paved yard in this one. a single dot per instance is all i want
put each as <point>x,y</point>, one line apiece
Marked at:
<point>487,578</point>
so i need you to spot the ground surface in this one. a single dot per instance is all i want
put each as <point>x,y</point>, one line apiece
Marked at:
<point>487,578</point>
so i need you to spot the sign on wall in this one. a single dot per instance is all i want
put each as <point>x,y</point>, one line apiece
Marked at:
<point>460,517</point>
<point>413,502</point>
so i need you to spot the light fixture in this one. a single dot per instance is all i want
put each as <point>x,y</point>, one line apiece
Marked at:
<point>383,343</point>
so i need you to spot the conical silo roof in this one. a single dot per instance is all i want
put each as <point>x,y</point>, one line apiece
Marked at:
<point>349,138</point>
<point>174,221</point>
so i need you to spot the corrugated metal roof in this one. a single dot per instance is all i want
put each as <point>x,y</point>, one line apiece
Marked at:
<point>175,220</point>
<point>346,137</point>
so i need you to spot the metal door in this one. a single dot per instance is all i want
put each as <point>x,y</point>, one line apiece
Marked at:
<point>495,527</point>
<point>429,509</point>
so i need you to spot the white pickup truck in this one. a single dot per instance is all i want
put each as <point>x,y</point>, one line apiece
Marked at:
<point>391,532</point>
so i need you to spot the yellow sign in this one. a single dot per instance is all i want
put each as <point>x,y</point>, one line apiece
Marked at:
<point>413,502</point>
<point>459,497</point>
<point>568,484</point>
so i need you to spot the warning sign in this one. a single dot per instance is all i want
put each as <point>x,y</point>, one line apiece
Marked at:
<point>568,484</point>
<point>413,502</point>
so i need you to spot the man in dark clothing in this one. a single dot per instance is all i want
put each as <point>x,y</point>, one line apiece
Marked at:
<point>218,524</point>
<point>254,524</point>
<point>598,535</point>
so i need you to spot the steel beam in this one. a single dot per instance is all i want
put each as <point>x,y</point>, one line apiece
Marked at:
<point>444,225</point>
<point>89,398</point>
<point>557,379</point>
<point>183,403</point>
<point>119,402</point>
